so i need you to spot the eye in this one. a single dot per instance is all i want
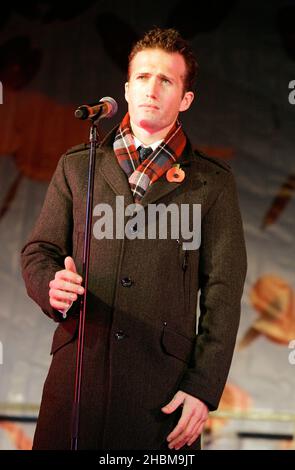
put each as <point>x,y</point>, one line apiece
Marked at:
<point>166,80</point>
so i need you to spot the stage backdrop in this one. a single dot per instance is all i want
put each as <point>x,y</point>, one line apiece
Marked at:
<point>52,59</point>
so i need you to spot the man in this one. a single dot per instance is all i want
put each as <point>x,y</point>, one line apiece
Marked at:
<point>148,379</point>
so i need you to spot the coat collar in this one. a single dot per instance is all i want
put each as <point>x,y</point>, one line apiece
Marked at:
<point>118,182</point>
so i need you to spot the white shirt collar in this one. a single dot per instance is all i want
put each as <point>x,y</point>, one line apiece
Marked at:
<point>154,145</point>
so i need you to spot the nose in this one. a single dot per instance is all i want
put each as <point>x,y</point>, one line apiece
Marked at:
<point>151,91</point>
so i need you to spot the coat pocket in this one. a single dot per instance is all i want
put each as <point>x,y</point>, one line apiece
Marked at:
<point>64,334</point>
<point>177,345</point>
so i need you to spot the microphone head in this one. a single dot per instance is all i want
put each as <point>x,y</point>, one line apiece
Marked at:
<point>105,108</point>
<point>111,104</point>
<point>81,112</point>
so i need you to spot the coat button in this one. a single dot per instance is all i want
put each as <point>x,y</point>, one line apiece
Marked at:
<point>126,282</point>
<point>120,335</point>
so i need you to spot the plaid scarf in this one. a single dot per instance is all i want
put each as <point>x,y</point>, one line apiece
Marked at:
<point>141,175</point>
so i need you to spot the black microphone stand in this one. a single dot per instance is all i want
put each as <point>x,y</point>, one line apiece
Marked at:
<point>93,138</point>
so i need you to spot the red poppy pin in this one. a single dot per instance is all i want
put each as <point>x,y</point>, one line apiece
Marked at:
<point>175,174</point>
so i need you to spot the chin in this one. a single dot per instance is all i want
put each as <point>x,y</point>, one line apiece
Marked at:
<point>148,124</point>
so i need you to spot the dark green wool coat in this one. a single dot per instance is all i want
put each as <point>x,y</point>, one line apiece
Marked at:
<point>141,344</point>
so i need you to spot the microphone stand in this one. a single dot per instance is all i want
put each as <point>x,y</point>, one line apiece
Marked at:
<point>93,139</point>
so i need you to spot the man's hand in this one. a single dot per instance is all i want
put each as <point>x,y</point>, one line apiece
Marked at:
<point>192,421</point>
<point>65,286</point>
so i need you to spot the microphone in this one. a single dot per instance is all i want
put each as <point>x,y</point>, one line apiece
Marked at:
<point>106,108</point>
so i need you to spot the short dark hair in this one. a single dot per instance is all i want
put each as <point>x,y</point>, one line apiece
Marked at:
<point>169,40</point>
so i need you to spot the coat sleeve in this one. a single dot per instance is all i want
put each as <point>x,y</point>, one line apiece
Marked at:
<point>50,242</point>
<point>222,272</point>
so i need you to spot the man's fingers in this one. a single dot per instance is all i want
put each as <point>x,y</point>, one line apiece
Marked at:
<point>70,264</point>
<point>190,434</point>
<point>66,275</point>
<point>176,439</point>
<point>181,425</point>
<point>190,425</point>
<point>65,287</point>
<point>188,437</point>
<point>191,422</point>
<point>59,284</point>
<point>62,296</point>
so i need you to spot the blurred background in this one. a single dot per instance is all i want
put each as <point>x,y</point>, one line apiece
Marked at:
<point>54,58</point>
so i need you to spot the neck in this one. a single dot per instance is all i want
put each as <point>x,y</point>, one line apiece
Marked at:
<point>148,136</point>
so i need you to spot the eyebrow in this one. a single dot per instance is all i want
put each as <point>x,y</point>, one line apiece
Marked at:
<point>160,75</point>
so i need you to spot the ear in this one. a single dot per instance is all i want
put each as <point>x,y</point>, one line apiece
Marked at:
<point>126,91</point>
<point>186,101</point>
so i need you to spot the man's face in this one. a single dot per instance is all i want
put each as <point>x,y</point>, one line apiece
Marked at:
<point>155,90</point>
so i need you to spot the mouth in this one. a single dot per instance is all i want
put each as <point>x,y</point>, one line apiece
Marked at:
<point>149,106</point>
